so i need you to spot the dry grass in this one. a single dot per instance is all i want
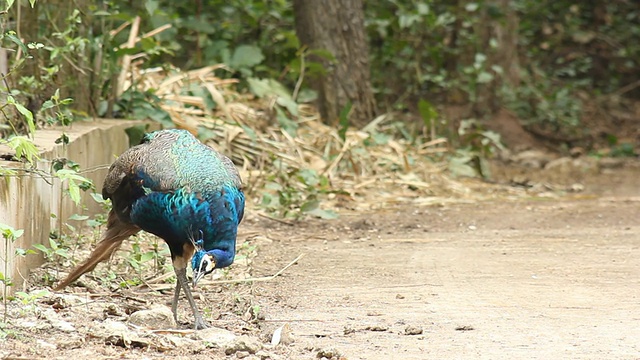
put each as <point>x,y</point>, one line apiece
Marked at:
<point>245,128</point>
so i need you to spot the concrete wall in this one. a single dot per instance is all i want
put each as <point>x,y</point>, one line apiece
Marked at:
<point>27,200</point>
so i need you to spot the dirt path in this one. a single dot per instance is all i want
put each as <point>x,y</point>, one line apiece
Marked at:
<point>510,280</point>
<point>530,279</point>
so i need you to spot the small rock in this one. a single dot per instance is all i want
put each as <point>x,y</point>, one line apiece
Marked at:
<point>243,343</point>
<point>377,328</point>
<point>118,334</point>
<point>577,187</point>
<point>611,163</point>
<point>45,344</point>
<point>532,158</point>
<point>63,326</point>
<point>263,355</point>
<point>157,318</point>
<point>473,227</point>
<point>26,324</point>
<point>112,310</point>
<point>328,353</point>
<point>214,337</point>
<point>412,330</point>
<point>53,318</point>
<point>399,296</point>
<point>109,327</point>
<point>464,328</point>
<point>576,152</point>
<point>183,342</point>
<point>63,301</point>
<point>242,354</point>
<point>59,303</point>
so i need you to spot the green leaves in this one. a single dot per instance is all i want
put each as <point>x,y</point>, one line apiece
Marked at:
<point>312,208</point>
<point>246,56</point>
<point>9,233</point>
<point>343,119</point>
<point>297,193</point>
<point>53,251</point>
<point>11,35</point>
<point>75,182</point>
<point>25,112</point>
<point>427,112</point>
<point>24,148</point>
<point>284,101</point>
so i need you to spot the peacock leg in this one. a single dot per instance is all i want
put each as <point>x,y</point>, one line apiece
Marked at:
<point>174,304</point>
<point>182,280</point>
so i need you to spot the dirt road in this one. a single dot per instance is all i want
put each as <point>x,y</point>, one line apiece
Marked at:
<point>541,279</point>
<point>554,278</point>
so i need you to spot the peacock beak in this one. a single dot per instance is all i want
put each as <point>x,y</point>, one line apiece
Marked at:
<point>196,277</point>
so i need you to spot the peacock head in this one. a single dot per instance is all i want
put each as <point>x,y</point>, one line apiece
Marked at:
<point>202,263</point>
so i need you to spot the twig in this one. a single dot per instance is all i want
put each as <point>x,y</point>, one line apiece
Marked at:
<point>126,59</point>
<point>275,219</point>
<point>374,123</point>
<point>626,88</point>
<point>172,331</point>
<point>114,32</point>
<point>300,78</point>
<point>264,278</point>
<point>154,32</point>
<point>219,99</point>
<point>235,281</point>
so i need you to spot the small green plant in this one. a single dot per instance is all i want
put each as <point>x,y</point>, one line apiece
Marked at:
<point>9,235</point>
<point>297,192</point>
<point>30,299</point>
<point>54,252</point>
<point>24,148</point>
<point>141,259</point>
<point>477,145</point>
<point>6,332</point>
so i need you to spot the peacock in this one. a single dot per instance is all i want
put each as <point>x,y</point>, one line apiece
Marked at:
<point>185,192</point>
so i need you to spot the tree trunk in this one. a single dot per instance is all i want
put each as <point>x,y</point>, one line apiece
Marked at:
<point>337,26</point>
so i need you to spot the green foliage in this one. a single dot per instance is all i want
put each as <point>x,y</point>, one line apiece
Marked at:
<point>136,104</point>
<point>6,331</point>
<point>25,112</point>
<point>9,235</point>
<point>54,252</point>
<point>24,148</point>
<point>256,38</point>
<point>343,120</point>
<point>414,40</point>
<point>139,257</point>
<point>75,182</point>
<point>476,146</point>
<point>545,105</point>
<point>29,299</point>
<point>285,105</point>
<point>295,193</point>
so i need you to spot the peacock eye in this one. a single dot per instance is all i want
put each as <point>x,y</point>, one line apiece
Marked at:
<point>211,263</point>
<point>207,264</point>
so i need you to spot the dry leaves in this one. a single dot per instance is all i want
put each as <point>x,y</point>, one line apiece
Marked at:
<point>245,128</point>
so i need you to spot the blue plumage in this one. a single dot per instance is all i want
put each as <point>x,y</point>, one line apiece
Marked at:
<point>181,190</point>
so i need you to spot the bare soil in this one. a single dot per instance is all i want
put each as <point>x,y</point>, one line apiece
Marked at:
<point>533,278</point>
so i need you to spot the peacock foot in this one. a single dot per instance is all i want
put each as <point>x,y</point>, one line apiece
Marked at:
<point>200,324</point>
